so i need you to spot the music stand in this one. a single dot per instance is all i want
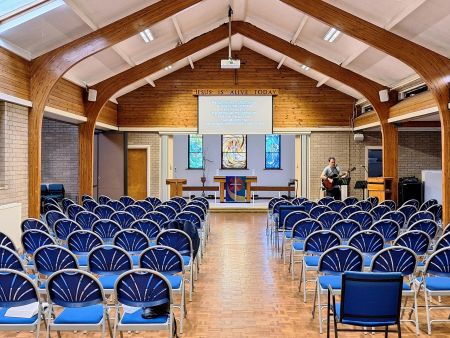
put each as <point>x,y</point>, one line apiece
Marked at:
<point>361,185</point>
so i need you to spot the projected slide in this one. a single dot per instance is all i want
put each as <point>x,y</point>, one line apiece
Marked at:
<point>235,114</point>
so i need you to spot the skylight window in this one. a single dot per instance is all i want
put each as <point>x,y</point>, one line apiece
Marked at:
<point>10,6</point>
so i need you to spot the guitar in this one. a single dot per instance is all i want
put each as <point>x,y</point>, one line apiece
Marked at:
<point>329,185</point>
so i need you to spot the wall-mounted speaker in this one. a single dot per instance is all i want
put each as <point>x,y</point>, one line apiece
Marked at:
<point>384,95</point>
<point>92,95</point>
<point>358,137</point>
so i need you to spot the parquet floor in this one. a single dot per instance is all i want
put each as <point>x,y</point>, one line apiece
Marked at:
<point>244,290</point>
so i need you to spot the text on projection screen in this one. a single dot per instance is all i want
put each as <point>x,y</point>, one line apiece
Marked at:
<point>235,114</point>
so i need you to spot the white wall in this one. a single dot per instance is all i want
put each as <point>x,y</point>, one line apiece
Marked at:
<point>255,161</point>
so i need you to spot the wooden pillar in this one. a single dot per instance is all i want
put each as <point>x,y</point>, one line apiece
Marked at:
<point>389,133</point>
<point>34,160</point>
<point>86,157</point>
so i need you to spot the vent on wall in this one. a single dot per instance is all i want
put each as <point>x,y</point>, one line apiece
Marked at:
<point>413,91</point>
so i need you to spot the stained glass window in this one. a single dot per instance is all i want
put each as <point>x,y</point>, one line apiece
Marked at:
<point>195,157</point>
<point>234,151</point>
<point>273,151</point>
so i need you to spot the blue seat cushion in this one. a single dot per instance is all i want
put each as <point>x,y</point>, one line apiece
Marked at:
<point>334,281</point>
<point>82,315</point>
<point>312,260</point>
<point>82,260</point>
<point>288,234</point>
<point>174,280</point>
<point>136,318</point>
<point>186,260</point>
<point>15,320</point>
<point>437,283</point>
<point>367,260</point>
<point>135,259</point>
<point>363,321</point>
<point>298,246</point>
<point>109,281</point>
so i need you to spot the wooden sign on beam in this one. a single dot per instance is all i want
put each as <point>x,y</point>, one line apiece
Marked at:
<point>234,92</point>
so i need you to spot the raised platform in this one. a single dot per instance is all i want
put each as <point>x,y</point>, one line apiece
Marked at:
<point>257,206</point>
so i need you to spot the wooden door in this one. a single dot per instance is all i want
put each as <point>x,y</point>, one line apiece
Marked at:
<point>137,173</point>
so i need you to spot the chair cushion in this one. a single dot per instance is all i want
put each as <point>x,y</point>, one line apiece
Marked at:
<point>136,318</point>
<point>288,234</point>
<point>298,246</point>
<point>437,283</point>
<point>334,281</point>
<point>15,320</point>
<point>109,281</point>
<point>312,260</point>
<point>186,260</point>
<point>362,321</point>
<point>174,280</point>
<point>82,260</point>
<point>83,315</point>
<point>367,260</point>
<point>135,259</point>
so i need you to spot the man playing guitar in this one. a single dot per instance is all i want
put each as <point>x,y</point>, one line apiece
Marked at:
<point>330,175</point>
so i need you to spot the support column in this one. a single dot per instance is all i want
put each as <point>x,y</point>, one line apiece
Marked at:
<point>298,164</point>
<point>86,161</point>
<point>389,133</point>
<point>164,195</point>
<point>34,160</point>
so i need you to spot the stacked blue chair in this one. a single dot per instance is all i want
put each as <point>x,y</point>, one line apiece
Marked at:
<point>123,218</point>
<point>135,210</point>
<point>86,219</point>
<point>127,200</point>
<point>327,219</point>
<point>363,218</point>
<point>81,242</point>
<point>104,211</point>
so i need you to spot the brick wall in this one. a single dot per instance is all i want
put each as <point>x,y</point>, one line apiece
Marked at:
<point>14,147</point>
<point>153,140</point>
<point>60,155</point>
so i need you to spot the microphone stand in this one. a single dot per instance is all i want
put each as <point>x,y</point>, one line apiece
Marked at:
<point>364,190</point>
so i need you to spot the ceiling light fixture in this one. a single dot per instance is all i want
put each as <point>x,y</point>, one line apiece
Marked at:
<point>168,67</point>
<point>305,67</point>
<point>147,36</point>
<point>332,34</point>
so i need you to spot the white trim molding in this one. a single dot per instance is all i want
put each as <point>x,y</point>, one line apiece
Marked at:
<point>415,114</point>
<point>307,130</point>
<point>147,148</point>
<point>62,115</point>
<point>105,126</point>
<point>15,99</point>
<point>367,126</point>
<point>160,130</point>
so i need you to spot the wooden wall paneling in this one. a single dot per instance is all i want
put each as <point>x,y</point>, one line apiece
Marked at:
<point>108,114</point>
<point>412,104</point>
<point>431,66</point>
<point>14,75</point>
<point>67,96</point>
<point>47,69</point>
<point>366,118</point>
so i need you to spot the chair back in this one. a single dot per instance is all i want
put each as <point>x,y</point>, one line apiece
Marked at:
<point>189,216</point>
<point>203,200</point>
<point>351,200</point>
<point>363,218</point>
<point>104,211</point>
<point>318,210</point>
<point>52,216</point>
<point>325,200</point>
<point>295,201</point>
<point>90,205</point>
<point>412,202</point>
<point>176,239</point>
<point>146,205</point>
<point>348,210</point>
<point>438,263</point>
<point>408,210</point>
<point>155,201</point>
<point>275,200</point>
<point>136,211</point>
<point>163,259</point>
<point>367,241</point>
<point>127,200</point>
<point>443,242</point>
<point>304,228</point>
<point>416,240</point>
<point>123,218</point>
<point>196,210</point>
<point>278,204</point>
<point>426,225</point>
<point>143,288</point>
<point>167,210</point>
<point>320,241</point>
<point>368,297</point>
<point>109,260</point>
<point>86,219</point>
<point>373,200</point>
<point>116,205</point>
<point>131,240</point>
<point>328,218</point>
<point>390,203</point>
<point>86,197</point>
<point>379,211</point>
<point>346,228</point>
<point>73,210</point>
<point>9,259</point>
<point>16,289</point>
<point>420,215</point>
<point>157,217</point>
<point>388,228</point>
<point>337,205</point>
<point>395,259</point>
<point>102,200</point>
<point>33,224</point>
<point>50,206</point>
<point>200,204</point>
<point>308,205</point>
<point>66,202</point>
<point>436,210</point>
<point>174,204</point>
<point>81,242</point>
<point>34,239</point>
<point>425,205</point>
<point>51,258</point>
<point>397,216</point>
<point>365,205</point>
<point>341,258</point>
<point>73,288</point>
<point>182,202</point>
<point>291,218</point>
<point>106,229</point>
<point>64,227</point>
<point>150,228</point>
<point>7,242</point>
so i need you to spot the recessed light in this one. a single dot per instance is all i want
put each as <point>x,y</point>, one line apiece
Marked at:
<point>305,67</point>
<point>146,35</point>
<point>332,34</point>
<point>168,67</point>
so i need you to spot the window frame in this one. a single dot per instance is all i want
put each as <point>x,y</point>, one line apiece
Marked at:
<point>194,152</point>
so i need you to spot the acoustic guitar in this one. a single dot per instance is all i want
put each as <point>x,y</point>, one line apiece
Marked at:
<point>335,179</point>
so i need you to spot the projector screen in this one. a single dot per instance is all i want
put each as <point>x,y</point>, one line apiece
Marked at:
<point>235,115</point>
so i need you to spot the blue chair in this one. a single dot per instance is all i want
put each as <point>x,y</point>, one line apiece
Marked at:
<point>365,205</point>
<point>64,227</point>
<point>168,262</point>
<point>155,201</point>
<point>123,218</point>
<point>426,225</point>
<point>200,204</point>
<point>127,200</point>
<point>32,240</point>
<point>144,204</point>
<point>33,224</point>
<point>390,203</point>
<point>318,210</point>
<point>132,241</point>
<point>397,216</point>
<point>143,288</point>
<point>188,216</point>
<point>408,211</point>
<point>150,228</point>
<point>104,211</point>
<point>346,228</point>
<point>86,219</point>
<point>66,202</point>
<point>90,205</point>
<point>351,200</point>
<point>73,210</point>
<point>420,215</point>
<point>7,242</point>
<point>197,210</point>
<point>116,205</point>
<point>363,218</point>
<point>174,204</point>
<point>308,205</point>
<point>332,264</point>
<point>106,229</point>
<point>327,219</point>
<point>85,197</point>
<point>295,201</point>
<point>182,202</point>
<point>315,244</point>
<point>367,300</point>
<point>109,262</point>
<point>102,200</point>
<point>425,205</point>
<point>436,210</point>
<point>181,242</point>
<point>388,228</point>
<point>9,259</point>
<point>167,210</point>
<point>418,241</point>
<point>373,200</point>
<point>412,202</point>
<point>379,211</point>
<point>51,217</point>
<point>81,242</point>
<point>336,205</point>
<point>348,210</point>
<point>18,289</point>
<point>435,281</point>
<point>301,229</point>
<point>368,242</point>
<point>136,211</point>
<point>157,217</point>
<point>50,206</point>
<point>443,242</point>
<point>51,258</point>
<point>325,200</point>
<point>83,302</point>
<point>204,200</point>
<point>287,223</point>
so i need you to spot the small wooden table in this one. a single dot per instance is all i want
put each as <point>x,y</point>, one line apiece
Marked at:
<point>222,180</point>
<point>380,187</point>
<point>176,186</point>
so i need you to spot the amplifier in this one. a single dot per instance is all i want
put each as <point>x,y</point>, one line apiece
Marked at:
<point>409,188</point>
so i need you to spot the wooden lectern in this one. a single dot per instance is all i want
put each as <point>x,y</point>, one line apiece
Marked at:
<point>380,187</point>
<point>222,179</point>
<point>176,186</point>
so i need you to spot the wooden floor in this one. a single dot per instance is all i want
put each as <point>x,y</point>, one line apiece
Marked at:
<point>244,290</point>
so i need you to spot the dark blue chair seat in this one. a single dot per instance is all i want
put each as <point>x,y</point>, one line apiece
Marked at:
<point>136,318</point>
<point>363,322</point>
<point>334,281</point>
<point>298,246</point>
<point>84,315</point>
<point>437,283</point>
<point>15,320</point>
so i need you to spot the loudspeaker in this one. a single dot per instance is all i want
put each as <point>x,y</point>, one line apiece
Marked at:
<point>92,95</point>
<point>358,137</point>
<point>409,190</point>
<point>384,95</point>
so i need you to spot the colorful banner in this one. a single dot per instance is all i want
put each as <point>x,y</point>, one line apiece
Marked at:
<point>235,187</point>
